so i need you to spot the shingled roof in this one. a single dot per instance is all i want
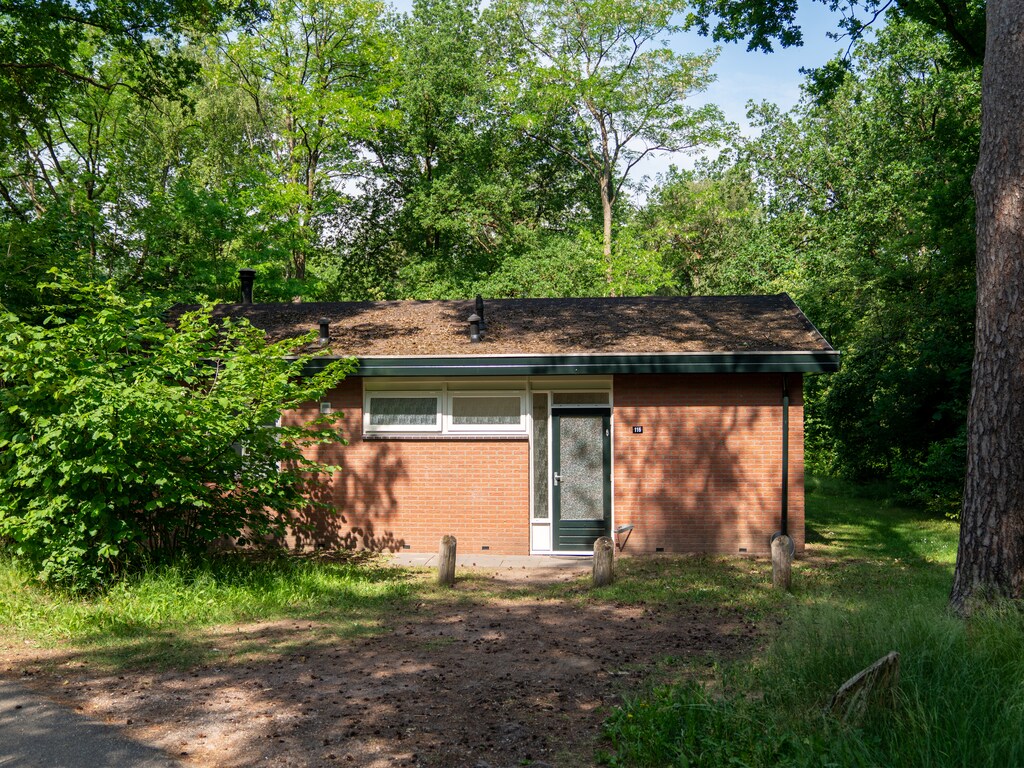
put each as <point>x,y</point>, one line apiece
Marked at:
<point>577,326</point>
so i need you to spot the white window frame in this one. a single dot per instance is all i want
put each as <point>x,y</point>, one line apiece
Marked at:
<point>444,391</point>
<point>436,427</point>
<point>451,427</point>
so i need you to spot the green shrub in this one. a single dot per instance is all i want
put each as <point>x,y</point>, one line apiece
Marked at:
<point>125,440</point>
<point>936,482</point>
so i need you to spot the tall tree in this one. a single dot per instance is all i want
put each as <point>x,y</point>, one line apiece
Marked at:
<point>65,67</point>
<point>603,64</point>
<point>454,191</point>
<point>990,558</point>
<point>314,74</point>
<point>701,223</point>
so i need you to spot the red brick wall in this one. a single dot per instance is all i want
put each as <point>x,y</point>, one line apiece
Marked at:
<point>404,495</point>
<point>705,475</point>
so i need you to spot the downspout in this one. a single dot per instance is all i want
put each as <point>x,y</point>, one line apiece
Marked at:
<point>784,517</point>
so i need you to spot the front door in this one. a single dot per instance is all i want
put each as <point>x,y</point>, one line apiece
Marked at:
<point>581,480</point>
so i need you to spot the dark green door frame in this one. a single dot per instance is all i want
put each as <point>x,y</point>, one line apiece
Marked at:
<point>576,535</point>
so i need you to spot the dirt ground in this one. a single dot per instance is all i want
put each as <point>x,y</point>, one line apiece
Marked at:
<point>489,683</point>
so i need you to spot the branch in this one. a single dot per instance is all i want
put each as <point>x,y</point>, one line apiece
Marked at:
<point>77,76</point>
<point>14,208</point>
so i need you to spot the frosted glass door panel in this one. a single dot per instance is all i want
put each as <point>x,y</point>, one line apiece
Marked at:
<point>582,475</point>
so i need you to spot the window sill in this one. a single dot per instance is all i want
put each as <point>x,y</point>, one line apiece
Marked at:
<point>370,437</point>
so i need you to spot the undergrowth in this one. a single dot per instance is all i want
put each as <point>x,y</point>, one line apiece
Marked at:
<point>875,578</point>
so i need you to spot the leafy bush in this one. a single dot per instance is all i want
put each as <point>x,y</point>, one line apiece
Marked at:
<point>126,440</point>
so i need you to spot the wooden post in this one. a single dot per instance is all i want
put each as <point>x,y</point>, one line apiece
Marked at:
<point>446,562</point>
<point>782,563</point>
<point>604,559</point>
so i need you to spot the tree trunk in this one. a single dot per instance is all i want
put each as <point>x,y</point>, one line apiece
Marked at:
<point>990,559</point>
<point>606,206</point>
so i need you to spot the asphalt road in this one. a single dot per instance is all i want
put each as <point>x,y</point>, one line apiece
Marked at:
<point>36,733</point>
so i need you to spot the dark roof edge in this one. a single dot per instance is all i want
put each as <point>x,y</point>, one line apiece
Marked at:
<point>810,323</point>
<point>553,365</point>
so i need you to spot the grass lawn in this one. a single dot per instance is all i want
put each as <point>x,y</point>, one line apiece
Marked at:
<point>875,578</point>
<point>162,618</point>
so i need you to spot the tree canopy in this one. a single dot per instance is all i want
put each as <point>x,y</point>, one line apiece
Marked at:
<point>349,152</point>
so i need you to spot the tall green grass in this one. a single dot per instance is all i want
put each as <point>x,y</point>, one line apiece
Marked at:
<point>196,595</point>
<point>875,579</point>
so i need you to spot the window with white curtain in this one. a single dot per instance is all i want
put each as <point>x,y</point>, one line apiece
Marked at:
<point>402,412</point>
<point>445,411</point>
<point>486,412</point>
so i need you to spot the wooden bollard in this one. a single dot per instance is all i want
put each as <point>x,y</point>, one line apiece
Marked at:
<point>446,562</point>
<point>604,559</point>
<point>782,563</point>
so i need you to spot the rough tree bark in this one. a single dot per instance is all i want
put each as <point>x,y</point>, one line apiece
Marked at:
<point>990,559</point>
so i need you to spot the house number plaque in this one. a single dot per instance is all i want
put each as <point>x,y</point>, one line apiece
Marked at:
<point>638,430</point>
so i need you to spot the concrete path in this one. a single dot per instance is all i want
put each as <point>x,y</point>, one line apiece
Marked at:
<point>36,733</point>
<point>501,562</point>
<point>535,569</point>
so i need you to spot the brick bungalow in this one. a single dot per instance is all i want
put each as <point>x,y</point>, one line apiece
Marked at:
<point>566,420</point>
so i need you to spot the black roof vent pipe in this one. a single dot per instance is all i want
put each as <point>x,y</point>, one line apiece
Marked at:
<point>325,332</point>
<point>246,277</point>
<point>480,312</point>
<point>474,328</point>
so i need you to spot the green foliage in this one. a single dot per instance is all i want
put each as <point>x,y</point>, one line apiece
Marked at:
<point>600,67</point>
<point>124,440</point>
<point>868,223</point>
<point>961,22</point>
<point>48,49</point>
<point>454,188</point>
<point>313,75</point>
<point>705,227</point>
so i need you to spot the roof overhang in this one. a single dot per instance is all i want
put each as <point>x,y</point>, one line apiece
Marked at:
<point>595,364</point>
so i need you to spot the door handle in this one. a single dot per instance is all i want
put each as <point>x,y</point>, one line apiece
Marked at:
<point>557,478</point>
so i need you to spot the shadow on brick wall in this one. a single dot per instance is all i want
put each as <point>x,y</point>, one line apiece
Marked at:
<point>352,508</point>
<point>700,485</point>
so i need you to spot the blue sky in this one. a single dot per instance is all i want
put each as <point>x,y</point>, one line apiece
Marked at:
<point>754,76</point>
<point>744,76</point>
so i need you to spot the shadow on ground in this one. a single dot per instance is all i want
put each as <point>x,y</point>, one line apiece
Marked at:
<point>474,681</point>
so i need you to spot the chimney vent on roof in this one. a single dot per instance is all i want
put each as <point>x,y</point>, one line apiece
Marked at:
<point>480,312</point>
<point>246,277</point>
<point>325,332</point>
<point>474,328</point>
